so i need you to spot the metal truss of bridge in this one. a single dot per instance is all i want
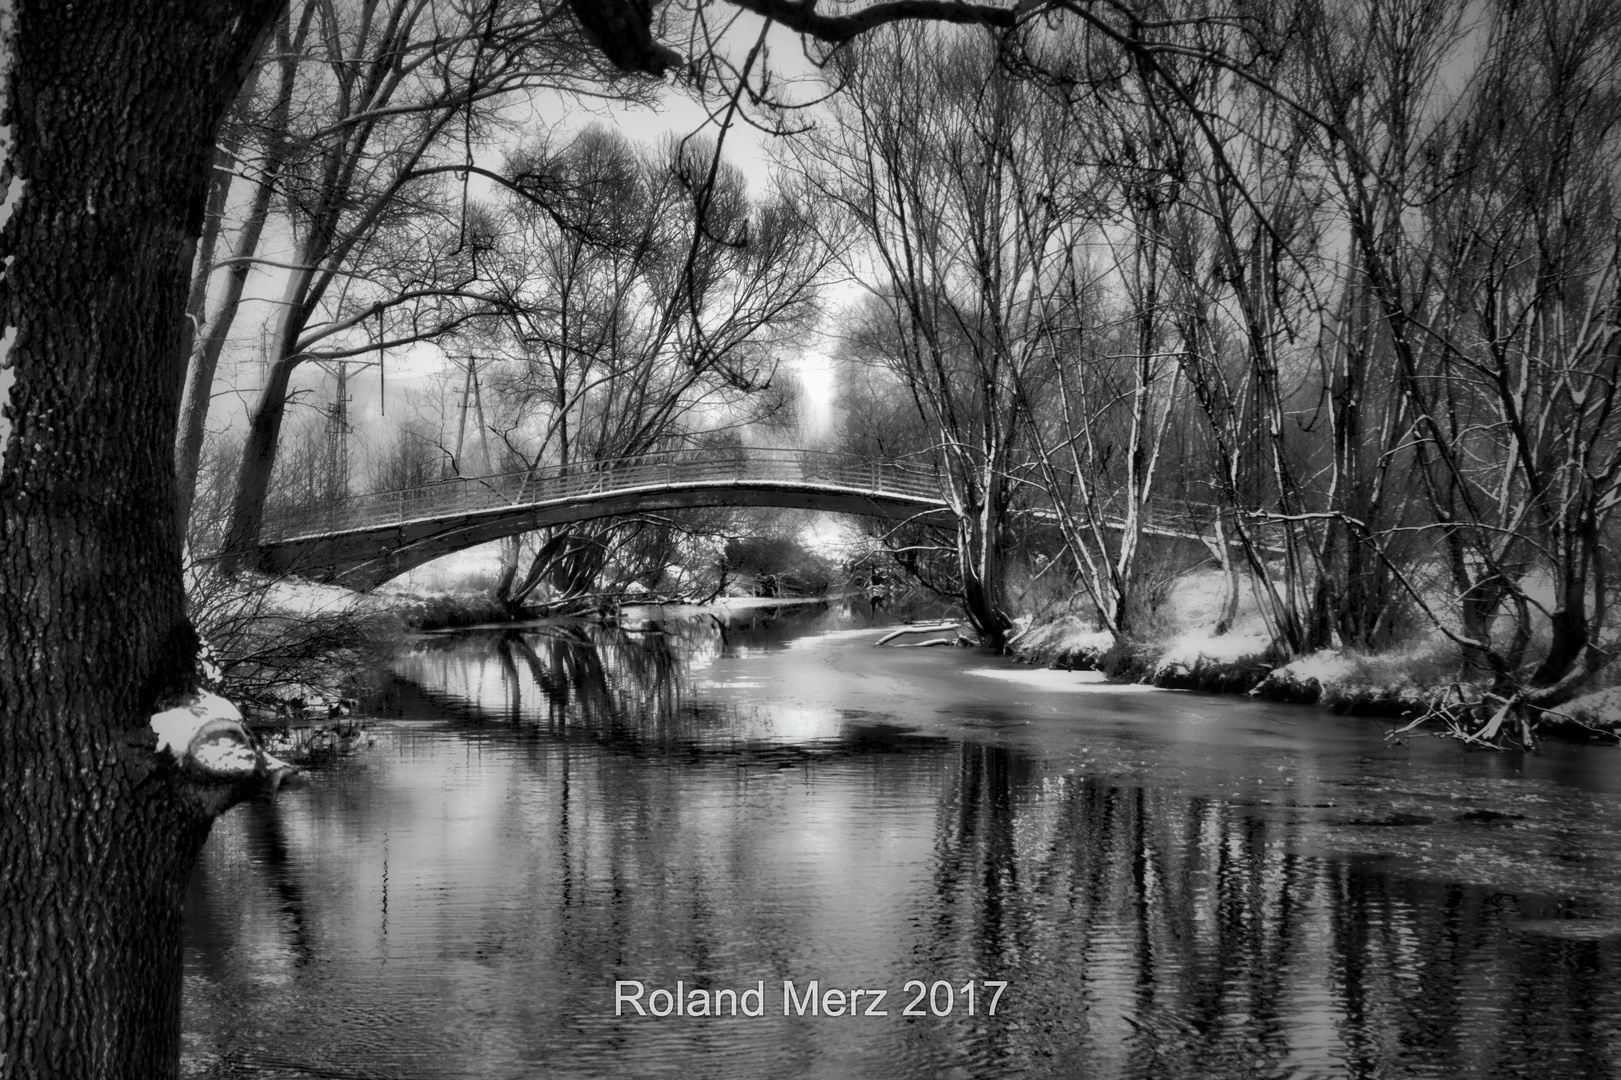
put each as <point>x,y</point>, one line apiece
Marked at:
<point>367,539</point>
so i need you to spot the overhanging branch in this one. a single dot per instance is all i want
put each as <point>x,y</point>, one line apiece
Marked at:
<point>622,29</point>
<point>802,16</point>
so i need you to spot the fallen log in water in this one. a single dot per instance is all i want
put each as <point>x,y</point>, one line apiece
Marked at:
<point>923,628</point>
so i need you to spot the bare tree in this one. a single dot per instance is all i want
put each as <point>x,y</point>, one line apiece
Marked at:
<point>254,147</point>
<point>390,103</point>
<point>957,175</point>
<point>648,308</point>
<point>1098,439</point>
<point>1497,278</point>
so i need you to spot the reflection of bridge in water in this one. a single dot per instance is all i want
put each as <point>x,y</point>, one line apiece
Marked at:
<point>364,540</point>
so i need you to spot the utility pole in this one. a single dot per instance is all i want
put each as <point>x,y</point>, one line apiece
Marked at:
<point>461,425</point>
<point>337,440</point>
<point>472,394</point>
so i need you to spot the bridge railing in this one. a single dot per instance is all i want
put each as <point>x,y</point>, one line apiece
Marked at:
<point>1166,516</point>
<point>466,495</point>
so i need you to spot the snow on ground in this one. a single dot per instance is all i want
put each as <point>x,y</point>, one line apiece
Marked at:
<point>1195,601</point>
<point>1326,667</point>
<point>1408,675</point>
<point>1064,682</point>
<point>295,596</point>
<point>1600,709</point>
<point>1195,646</point>
<point>1067,641</point>
<point>1199,659</point>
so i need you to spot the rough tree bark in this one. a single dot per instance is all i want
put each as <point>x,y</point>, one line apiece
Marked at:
<point>112,107</point>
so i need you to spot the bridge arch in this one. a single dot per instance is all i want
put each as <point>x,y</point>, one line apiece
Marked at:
<point>363,541</point>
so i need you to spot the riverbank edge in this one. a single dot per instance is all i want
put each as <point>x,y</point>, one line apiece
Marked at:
<point>1399,685</point>
<point>424,613</point>
<point>333,632</point>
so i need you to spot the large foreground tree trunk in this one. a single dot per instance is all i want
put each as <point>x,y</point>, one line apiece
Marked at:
<point>112,107</point>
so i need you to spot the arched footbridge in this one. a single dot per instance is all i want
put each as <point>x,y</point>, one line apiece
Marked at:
<point>364,540</point>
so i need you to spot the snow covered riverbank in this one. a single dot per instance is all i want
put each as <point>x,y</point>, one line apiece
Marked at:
<point>1183,651</point>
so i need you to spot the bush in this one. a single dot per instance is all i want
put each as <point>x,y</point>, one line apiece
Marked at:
<point>282,639</point>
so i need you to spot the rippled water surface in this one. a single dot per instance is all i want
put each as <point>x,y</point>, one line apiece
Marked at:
<point>1168,885</point>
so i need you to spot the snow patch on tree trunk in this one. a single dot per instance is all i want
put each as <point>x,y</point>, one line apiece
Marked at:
<point>206,732</point>
<point>177,726</point>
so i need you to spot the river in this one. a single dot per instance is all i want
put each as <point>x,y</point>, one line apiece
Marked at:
<point>1044,875</point>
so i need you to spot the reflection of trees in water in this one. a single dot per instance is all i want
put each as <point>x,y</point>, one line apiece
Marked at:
<point>598,675</point>
<point>704,636</point>
<point>276,863</point>
<point>974,849</point>
<point>592,678</point>
<point>596,680</point>
<point>1142,932</point>
<point>570,675</point>
<point>277,860</point>
<point>1162,935</point>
